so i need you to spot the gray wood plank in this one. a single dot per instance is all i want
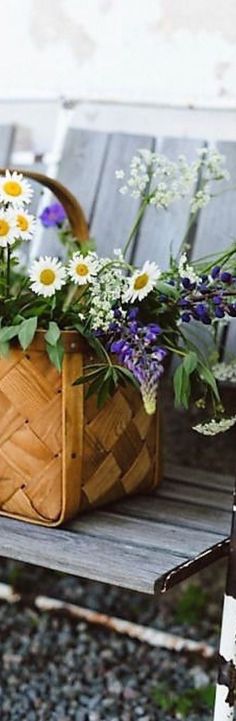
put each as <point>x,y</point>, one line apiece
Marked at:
<point>114,213</point>
<point>81,555</point>
<point>181,512</point>
<point>217,222</point>
<point>156,535</point>
<point>81,165</point>
<point>6,144</point>
<point>230,342</point>
<point>79,169</point>
<point>163,231</point>
<point>178,490</point>
<point>200,478</point>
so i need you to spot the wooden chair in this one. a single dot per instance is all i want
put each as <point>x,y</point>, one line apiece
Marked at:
<point>144,544</point>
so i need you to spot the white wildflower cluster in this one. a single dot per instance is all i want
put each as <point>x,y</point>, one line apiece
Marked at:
<point>214,426</point>
<point>212,164</point>
<point>225,371</point>
<point>106,292</point>
<point>186,270</point>
<point>200,199</point>
<point>163,180</point>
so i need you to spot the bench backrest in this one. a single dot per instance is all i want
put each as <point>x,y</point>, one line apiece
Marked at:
<point>87,167</point>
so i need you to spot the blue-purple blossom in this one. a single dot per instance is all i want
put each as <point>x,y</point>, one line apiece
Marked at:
<point>53,215</point>
<point>136,346</point>
<point>209,300</point>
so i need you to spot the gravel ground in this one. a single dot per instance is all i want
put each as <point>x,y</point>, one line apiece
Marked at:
<point>55,669</point>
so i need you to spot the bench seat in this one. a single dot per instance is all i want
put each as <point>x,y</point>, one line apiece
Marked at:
<point>142,543</point>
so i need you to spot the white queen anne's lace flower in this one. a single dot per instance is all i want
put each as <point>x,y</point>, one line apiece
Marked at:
<point>225,371</point>
<point>142,282</point>
<point>186,270</point>
<point>47,275</point>
<point>82,269</point>
<point>214,426</point>
<point>15,189</point>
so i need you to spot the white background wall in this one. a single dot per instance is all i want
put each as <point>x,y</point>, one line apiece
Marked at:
<point>165,51</point>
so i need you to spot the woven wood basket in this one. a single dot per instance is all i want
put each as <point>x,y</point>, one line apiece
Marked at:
<point>59,454</point>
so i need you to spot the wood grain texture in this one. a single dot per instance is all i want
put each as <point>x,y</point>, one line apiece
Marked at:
<point>59,454</point>
<point>81,165</point>
<point>134,543</point>
<point>7,133</point>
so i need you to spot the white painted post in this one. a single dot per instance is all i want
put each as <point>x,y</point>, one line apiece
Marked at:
<point>226,686</point>
<point>224,702</point>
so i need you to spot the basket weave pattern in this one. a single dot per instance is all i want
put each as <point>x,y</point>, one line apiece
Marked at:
<point>59,454</point>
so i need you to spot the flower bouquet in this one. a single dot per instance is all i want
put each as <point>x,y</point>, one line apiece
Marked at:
<point>84,342</point>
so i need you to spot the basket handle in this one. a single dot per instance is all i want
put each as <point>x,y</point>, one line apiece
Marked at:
<point>72,207</point>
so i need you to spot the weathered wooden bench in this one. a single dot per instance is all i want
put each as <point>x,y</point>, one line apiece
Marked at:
<point>145,544</point>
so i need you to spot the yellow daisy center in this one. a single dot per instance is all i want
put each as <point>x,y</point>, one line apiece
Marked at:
<point>11,187</point>
<point>47,276</point>
<point>141,281</point>
<point>22,222</point>
<point>82,269</point>
<point>4,227</point>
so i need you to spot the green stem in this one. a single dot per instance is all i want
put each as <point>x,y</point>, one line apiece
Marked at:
<point>8,271</point>
<point>136,224</point>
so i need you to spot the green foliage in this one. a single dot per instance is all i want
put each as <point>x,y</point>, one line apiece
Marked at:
<point>103,379</point>
<point>53,334</point>
<point>192,700</point>
<point>26,331</point>
<point>56,353</point>
<point>191,605</point>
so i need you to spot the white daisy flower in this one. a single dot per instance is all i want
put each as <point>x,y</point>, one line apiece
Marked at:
<point>47,275</point>
<point>15,189</point>
<point>8,228</point>
<point>26,225</point>
<point>82,269</point>
<point>142,282</point>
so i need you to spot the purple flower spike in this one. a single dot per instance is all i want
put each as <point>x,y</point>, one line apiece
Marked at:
<point>53,215</point>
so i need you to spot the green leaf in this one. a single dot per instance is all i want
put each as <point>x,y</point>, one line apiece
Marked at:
<point>87,377</point>
<point>4,349</point>
<point>104,392</point>
<point>56,354</point>
<point>7,333</point>
<point>53,334</point>
<point>26,331</point>
<point>127,375</point>
<point>190,362</point>
<point>95,386</point>
<point>181,387</point>
<point>206,375</point>
<point>167,289</point>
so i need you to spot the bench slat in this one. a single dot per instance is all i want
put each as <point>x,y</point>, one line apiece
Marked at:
<point>133,544</point>
<point>183,512</point>
<point>81,165</point>
<point>6,143</point>
<point>82,555</point>
<point>154,535</point>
